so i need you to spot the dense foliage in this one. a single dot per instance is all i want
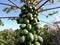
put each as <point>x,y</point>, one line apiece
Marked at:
<point>30,33</point>
<point>48,37</point>
<point>8,37</point>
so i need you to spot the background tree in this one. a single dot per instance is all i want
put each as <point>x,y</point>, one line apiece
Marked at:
<point>7,37</point>
<point>40,8</point>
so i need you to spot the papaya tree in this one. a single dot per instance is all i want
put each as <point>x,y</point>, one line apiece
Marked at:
<point>28,19</point>
<point>29,25</point>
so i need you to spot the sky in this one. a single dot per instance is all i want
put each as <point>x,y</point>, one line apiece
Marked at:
<point>13,24</point>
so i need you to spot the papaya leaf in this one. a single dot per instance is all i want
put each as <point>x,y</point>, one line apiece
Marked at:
<point>1,23</point>
<point>12,18</point>
<point>7,10</point>
<point>22,0</point>
<point>40,10</point>
<point>51,1</point>
<point>37,1</point>
<point>13,7</point>
<point>47,16</point>
<point>51,14</point>
<point>57,22</point>
<point>58,0</point>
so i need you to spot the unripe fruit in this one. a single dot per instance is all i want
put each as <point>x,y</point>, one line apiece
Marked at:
<point>21,20</point>
<point>38,31</point>
<point>30,7</point>
<point>30,37</point>
<point>26,21</point>
<point>25,32</point>
<point>35,20</point>
<point>33,31</point>
<point>37,43</point>
<point>35,37</point>
<point>34,7</point>
<point>29,15</point>
<point>40,39</point>
<point>23,16</point>
<point>23,8</point>
<point>35,16</point>
<point>37,27</point>
<point>29,27</point>
<point>22,39</point>
<point>23,25</point>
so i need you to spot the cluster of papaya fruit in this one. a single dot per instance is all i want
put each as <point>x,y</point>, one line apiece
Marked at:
<point>29,27</point>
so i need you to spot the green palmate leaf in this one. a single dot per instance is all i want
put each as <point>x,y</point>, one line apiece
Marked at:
<point>51,14</point>
<point>7,10</point>
<point>25,1</point>
<point>36,1</point>
<point>51,1</point>
<point>57,22</point>
<point>22,0</point>
<point>12,18</point>
<point>1,23</point>
<point>47,16</point>
<point>31,1</point>
<point>58,0</point>
<point>40,10</point>
<point>13,7</point>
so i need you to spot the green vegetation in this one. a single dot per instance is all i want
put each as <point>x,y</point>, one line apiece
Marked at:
<point>30,32</point>
<point>9,37</point>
